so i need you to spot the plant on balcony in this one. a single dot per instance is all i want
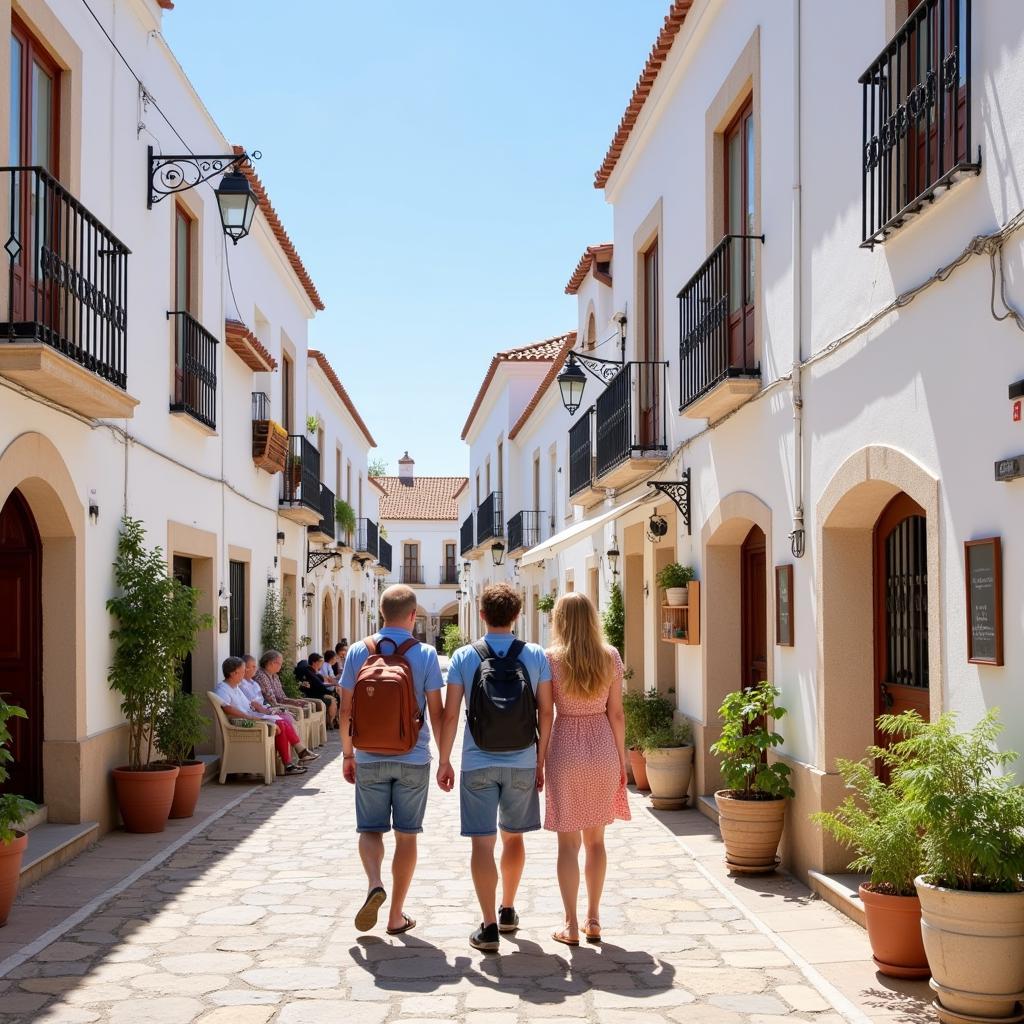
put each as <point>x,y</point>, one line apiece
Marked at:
<point>614,619</point>
<point>312,424</point>
<point>673,579</point>
<point>345,516</point>
<point>269,445</point>
<point>179,728</point>
<point>13,810</point>
<point>752,809</point>
<point>668,756</point>
<point>645,713</point>
<point>155,628</point>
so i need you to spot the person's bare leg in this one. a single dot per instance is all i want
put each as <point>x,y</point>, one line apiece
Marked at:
<point>402,867</point>
<point>485,876</point>
<point>595,868</point>
<point>569,879</point>
<point>513,860</point>
<point>371,853</point>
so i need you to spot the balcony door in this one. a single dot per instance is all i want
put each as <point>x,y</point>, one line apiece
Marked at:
<point>650,351</point>
<point>186,379</point>
<point>451,571</point>
<point>753,591</point>
<point>740,204</point>
<point>410,563</point>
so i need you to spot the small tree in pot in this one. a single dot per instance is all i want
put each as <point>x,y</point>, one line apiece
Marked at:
<point>752,810</point>
<point>673,579</point>
<point>645,713</point>
<point>668,751</point>
<point>179,728</point>
<point>13,810</point>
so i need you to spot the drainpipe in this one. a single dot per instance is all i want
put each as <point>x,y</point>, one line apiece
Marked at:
<point>797,536</point>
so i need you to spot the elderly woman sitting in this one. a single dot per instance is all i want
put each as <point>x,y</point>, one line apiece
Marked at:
<point>258,703</point>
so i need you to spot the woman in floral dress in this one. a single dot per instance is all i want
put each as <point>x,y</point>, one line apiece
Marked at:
<point>585,770</point>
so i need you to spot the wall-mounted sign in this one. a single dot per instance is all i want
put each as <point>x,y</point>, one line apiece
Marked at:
<point>1010,469</point>
<point>983,569</point>
<point>223,618</point>
<point>784,605</point>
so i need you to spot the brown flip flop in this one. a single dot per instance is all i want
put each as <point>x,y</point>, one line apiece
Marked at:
<point>564,939</point>
<point>367,916</point>
<point>407,927</point>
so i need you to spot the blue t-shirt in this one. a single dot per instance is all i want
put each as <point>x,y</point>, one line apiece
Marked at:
<point>426,677</point>
<point>461,671</point>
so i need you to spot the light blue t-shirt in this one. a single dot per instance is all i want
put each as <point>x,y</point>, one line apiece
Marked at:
<point>461,671</point>
<point>426,677</point>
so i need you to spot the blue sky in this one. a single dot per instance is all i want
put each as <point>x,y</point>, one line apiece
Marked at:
<point>433,163</point>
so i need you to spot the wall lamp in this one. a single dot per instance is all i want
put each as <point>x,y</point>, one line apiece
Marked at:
<point>572,380</point>
<point>613,560</point>
<point>498,552</point>
<point>459,595</point>
<point>236,200</point>
<point>657,527</point>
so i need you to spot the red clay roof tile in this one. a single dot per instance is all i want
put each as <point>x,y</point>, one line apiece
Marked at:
<point>425,497</point>
<point>248,347</point>
<point>592,255</point>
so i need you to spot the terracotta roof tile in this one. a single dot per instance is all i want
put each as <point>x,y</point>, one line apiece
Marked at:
<point>248,347</point>
<point>287,247</point>
<point>321,360</point>
<point>167,5</point>
<point>549,378</point>
<point>592,255</point>
<point>425,497</point>
<point>535,352</point>
<point>669,30</point>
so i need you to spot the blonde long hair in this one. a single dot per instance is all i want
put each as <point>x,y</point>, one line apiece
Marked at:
<point>584,660</point>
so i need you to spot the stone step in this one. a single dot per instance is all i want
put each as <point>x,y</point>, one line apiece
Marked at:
<point>840,890</point>
<point>707,806</point>
<point>50,846</point>
<point>37,817</point>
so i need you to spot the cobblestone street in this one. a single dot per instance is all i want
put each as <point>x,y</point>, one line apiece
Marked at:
<point>251,921</point>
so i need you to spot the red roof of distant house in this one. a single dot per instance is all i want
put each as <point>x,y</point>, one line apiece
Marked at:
<point>167,5</point>
<point>423,497</point>
<point>535,352</point>
<point>549,377</point>
<point>248,347</point>
<point>592,255</point>
<point>669,30</point>
<point>321,360</point>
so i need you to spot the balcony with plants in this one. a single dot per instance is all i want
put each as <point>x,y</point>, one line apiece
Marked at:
<point>300,483</point>
<point>345,517</point>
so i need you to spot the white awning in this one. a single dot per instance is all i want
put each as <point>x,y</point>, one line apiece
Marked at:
<point>570,535</point>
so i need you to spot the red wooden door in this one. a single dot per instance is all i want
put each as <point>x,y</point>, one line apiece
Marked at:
<point>740,199</point>
<point>21,680</point>
<point>754,619</point>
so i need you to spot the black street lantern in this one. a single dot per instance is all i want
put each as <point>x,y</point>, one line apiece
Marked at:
<point>571,382</point>
<point>459,595</point>
<point>613,560</point>
<point>237,203</point>
<point>498,552</point>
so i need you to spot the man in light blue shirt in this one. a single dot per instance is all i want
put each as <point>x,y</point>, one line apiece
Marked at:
<point>391,789</point>
<point>498,789</point>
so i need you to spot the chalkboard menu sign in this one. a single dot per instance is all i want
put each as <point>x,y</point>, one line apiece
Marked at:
<point>983,569</point>
<point>784,605</point>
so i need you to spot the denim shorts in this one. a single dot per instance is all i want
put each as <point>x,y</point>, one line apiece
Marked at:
<point>389,791</point>
<point>502,797</point>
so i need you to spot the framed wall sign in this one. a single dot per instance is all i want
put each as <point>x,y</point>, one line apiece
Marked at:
<point>784,605</point>
<point>223,618</point>
<point>983,570</point>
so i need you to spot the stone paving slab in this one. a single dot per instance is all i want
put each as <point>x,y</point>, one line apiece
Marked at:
<point>251,921</point>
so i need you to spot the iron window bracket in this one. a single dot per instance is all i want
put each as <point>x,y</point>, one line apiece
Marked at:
<point>678,491</point>
<point>314,559</point>
<point>171,174</point>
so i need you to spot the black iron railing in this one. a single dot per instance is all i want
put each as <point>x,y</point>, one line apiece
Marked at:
<point>581,453</point>
<point>916,118</point>
<point>630,415</point>
<point>449,574</point>
<point>195,369</point>
<point>260,405</point>
<point>327,520</point>
<point>489,521</point>
<point>67,278</point>
<point>716,321</point>
<point>300,482</point>
<point>524,530</point>
<point>412,574</point>
<point>367,537</point>
<point>466,536</point>
<point>384,553</point>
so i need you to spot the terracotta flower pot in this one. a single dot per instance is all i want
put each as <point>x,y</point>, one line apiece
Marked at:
<point>668,771</point>
<point>639,765</point>
<point>975,947</point>
<point>894,930</point>
<point>10,871</point>
<point>186,789</point>
<point>751,830</point>
<point>144,798</point>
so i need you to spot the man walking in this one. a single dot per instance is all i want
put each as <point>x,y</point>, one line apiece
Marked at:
<point>389,684</point>
<point>507,689</point>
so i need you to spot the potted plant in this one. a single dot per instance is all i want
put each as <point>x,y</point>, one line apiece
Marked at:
<point>876,823</point>
<point>546,603</point>
<point>13,810</point>
<point>645,713</point>
<point>668,751</point>
<point>155,628</point>
<point>673,579</point>
<point>966,802</point>
<point>179,728</point>
<point>312,423</point>
<point>345,517</point>
<point>752,809</point>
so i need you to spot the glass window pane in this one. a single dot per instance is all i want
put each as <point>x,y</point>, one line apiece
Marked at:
<point>181,262</point>
<point>735,161</point>
<point>42,119</point>
<point>14,140</point>
<point>751,186</point>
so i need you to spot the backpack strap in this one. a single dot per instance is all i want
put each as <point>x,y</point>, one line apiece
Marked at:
<point>371,645</point>
<point>483,650</point>
<point>515,649</point>
<point>407,646</point>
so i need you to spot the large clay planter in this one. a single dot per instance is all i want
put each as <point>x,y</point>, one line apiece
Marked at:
<point>10,872</point>
<point>186,789</point>
<point>144,798</point>
<point>639,765</point>
<point>975,947</point>
<point>668,772</point>
<point>894,930</point>
<point>751,830</point>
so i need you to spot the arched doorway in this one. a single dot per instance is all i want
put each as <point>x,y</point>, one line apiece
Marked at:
<point>754,610</point>
<point>326,623</point>
<point>342,635</point>
<point>21,679</point>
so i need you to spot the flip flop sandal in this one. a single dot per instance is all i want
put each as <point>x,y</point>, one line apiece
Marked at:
<point>592,930</point>
<point>367,916</point>
<point>309,756</point>
<point>564,939</point>
<point>294,769</point>
<point>407,927</point>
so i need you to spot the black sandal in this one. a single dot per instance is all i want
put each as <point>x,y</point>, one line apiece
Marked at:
<point>407,927</point>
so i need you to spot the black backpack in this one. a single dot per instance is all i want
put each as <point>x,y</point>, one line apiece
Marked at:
<point>502,712</point>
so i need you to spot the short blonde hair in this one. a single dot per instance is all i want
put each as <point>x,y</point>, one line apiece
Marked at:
<point>397,603</point>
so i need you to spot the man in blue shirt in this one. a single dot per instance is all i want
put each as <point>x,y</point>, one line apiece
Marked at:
<point>497,789</point>
<point>392,788</point>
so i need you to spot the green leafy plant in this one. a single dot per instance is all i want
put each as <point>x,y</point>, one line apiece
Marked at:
<point>674,575</point>
<point>645,713</point>
<point>13,809</point>
<point>452,639</point>
<point>345,516</point>
<point>277,633</point>
<point>312,424</point>
<point>180,727</point>
<point>675,734</point>
<point>156,624</point>
<point>614,620</point>
<point>546,603</point>
<point>958,792</point>
<point>745,741</point>
<point>877,824</point>
<point>377,467</point>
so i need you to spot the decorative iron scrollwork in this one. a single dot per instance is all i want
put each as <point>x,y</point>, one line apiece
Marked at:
<point>171,174</point>
<point>314,559</point>
<point>951,70</point>
<point>605,370</point>
<point>678,491</point>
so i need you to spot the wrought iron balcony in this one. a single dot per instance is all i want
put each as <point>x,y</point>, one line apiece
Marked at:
<point>412,575</point>
<point>631,422</point>
<point>524,531</point>
<point>384,554</point>
<point>195,370</point>
<point>718,368</point>
<point>489,521</point>
<point>916,117</point>
<point>324,530</point>
<point>582,489</point>
<point>449,575</point>
<point>300,483</point>
<point>467,539</point>
<point>67,293</point>
<point>367,538</point>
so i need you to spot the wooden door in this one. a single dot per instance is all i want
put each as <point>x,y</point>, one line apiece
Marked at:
<point>181,567</point>
<point>325,625</point>
<point>740,207</point>
<point>21,681</point>
<point>754,609</point>
<point>410,563</point>
<point>650,352</point>
<point>236,606</point>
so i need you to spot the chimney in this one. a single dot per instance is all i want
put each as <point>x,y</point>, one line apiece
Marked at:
<point>406,469</point>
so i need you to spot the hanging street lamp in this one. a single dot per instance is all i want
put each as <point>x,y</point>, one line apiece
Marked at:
<point>498,552</point>
<point>572,380</point>
<point>613,560</point>
<point>237,203</point>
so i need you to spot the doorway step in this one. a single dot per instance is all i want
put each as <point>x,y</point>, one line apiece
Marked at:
<point>51,845</point>
<point>840,890</point>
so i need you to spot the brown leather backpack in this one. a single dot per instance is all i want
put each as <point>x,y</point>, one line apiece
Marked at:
<point>386,717</point>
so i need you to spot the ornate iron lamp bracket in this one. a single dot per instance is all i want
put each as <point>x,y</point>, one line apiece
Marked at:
<point>314,559</point>
<point>679,493</point>
<point>171,174</point>
<point>603,370</point>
